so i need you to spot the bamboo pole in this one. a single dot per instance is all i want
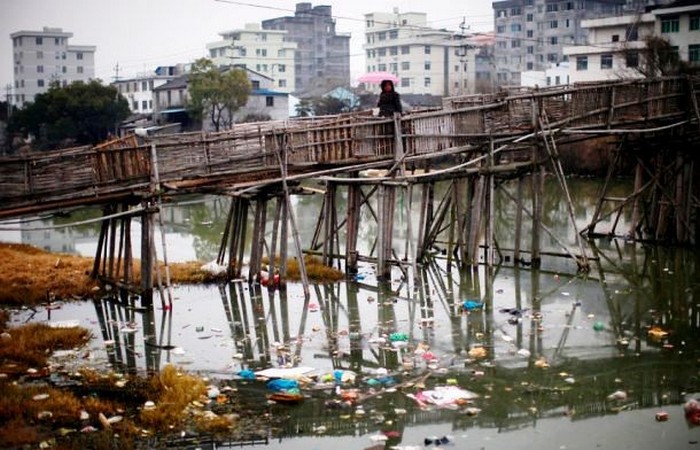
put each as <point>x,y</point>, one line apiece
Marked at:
<point>518,219</point>
<point>292,220</point>
<point>352,224</point>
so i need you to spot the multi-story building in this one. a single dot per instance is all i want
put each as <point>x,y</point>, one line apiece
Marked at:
<point>530,34</point>
<point>138,90</point>
<point>322,56</point>
<point>617,46</point>
<point>269,52</point>
<point>264,103</point>
<point>44,57</point>
<point>426,60</point>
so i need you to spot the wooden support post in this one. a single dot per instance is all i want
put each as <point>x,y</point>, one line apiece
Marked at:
<point>220,258</point>
<point>387,201</point>
<point>284,244</point>
<point>537,193</point>
<point>329,226</point>
<point>275,234</point>
<point>475,217</point>
<point>518,220</point>
<point>147,245</point>
<point>489,249</point>
<point>98,263</point>
<point>352,224</point>
<point>258,243</point>
<point>635,226</point>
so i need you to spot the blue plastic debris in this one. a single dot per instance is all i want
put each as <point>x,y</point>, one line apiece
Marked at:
<point>282,385</point>
<point>471,305</point>
<point>247,374</point>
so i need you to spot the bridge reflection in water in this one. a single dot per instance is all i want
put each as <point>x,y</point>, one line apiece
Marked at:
<point>345,327</point>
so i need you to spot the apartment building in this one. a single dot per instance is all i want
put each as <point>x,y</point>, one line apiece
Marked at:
<point>531,34</point>
<point>322,55</point>
<point>426,60</point>
<point>41,58</point>
<point>616,47</point>
<point>269,52</point>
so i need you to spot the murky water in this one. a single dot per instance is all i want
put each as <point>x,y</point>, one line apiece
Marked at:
<point>591,330</point>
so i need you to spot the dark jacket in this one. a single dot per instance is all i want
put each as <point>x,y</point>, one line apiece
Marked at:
<point>389,101</point>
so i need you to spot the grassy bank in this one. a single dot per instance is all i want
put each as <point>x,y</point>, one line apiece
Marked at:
<point>30,276</point>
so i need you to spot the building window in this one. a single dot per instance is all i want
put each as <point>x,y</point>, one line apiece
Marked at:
<point>39,69</point>
<point>405,49</point>
<point>405,82</point>
<point>552,7</point>
<point>144,85</point>
<point>670,25</point>
<point>606,61</point>
<point>393,51</point>
<point>530,66</point>
<point>515,11</point>
<point>632,33</point>
<point>553,40</point>
<point>427,65</point>
<point>501,29</point>
<point>515,27</point>
<point>530,33</point>
<point>694,23</point>
<point>39,41</point>
<point>79,55</point>
<point>282,83</point>
<point>501,44</point>
<point>381,51</point>
<point>632,59</point>
<point>269,101</point>
<point>64,69</point>
<point>393,34</point>
<point>582,63</point>
<point>134,106</point>
<point>381,67</point>
<point>405,65</point>
<point>427,50</point>
<point>281,68</point>
<point>694,54</point>
<point>530,50</point>
<point>552,57</point>
<point>426,82</point>
<point>553,24</point>
<point>40,83</point>
<point>255,85</point>
<point>144,105</point>
<point>79,69</point>
<point>515,43</point>
<point>501,13</point>
<point>530,17</point>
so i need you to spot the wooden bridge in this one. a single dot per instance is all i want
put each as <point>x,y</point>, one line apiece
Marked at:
<point>476,142</point>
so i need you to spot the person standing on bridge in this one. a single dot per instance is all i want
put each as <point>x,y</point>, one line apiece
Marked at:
<point>389,100</point>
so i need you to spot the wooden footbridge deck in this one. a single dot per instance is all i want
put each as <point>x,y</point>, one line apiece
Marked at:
<point>480,139</point>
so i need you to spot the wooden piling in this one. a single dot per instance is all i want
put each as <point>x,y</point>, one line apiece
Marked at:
<point>352,224</point>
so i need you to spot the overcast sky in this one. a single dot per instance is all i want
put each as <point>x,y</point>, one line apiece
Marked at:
<point>140,35</point>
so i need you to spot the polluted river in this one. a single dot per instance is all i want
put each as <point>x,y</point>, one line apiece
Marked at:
<point>492,358</point>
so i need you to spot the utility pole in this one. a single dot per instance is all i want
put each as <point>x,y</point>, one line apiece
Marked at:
<point>462,53</point>
<point>8,97</point>
<point>116,72</point>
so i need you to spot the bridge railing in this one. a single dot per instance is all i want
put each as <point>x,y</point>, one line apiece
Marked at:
<point>251,149</point>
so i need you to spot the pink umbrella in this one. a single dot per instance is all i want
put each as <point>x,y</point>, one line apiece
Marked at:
<point>378,77</point>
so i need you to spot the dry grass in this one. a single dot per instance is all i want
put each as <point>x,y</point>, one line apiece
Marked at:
<point>315,270</point>
<point>172,392</point>
<point>28,275</point>
<point>30,345</point>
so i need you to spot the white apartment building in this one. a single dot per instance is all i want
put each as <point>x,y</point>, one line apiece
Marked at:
<point>41,58</point>
<point>426,60</point>
<point>555,75</point>
<point>138,91</point>
<point>616,44</point>
<point>265,51</point>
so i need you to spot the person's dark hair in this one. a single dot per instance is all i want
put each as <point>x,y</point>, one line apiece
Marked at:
<point>385,82</point>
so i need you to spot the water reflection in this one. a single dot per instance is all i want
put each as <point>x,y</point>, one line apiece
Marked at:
<point>591,329</point>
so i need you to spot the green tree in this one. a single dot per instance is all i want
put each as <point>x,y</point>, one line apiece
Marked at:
<point>78,114</point>
<point>216,94</point>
